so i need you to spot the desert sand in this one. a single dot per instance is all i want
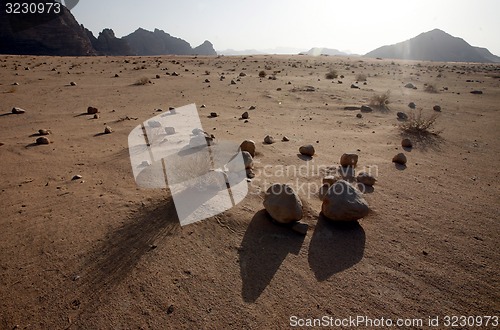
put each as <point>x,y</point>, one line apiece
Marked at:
<point>98,252</point>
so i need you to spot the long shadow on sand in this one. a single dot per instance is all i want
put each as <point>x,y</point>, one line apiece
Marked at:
<point>335,247</point>
<point>118,254</point>
<point>263,249</point>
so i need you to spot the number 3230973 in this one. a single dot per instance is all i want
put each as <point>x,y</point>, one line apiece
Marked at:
<point>32,8</point>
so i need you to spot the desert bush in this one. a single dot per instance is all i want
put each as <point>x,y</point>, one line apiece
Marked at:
<point>331,74</point>
<point>431,88</point>
<point>262,74</point>
<point>380,100</point>
<point>419,124</point>
<point>361,77</point>
<point>142,81</point>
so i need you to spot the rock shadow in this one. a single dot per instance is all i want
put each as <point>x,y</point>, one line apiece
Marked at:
<point>335,247</point>
<point>264,247</point>
<point>118,254</point>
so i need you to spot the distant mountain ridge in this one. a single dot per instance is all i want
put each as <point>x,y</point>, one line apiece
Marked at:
<point>435,45</point>
<point>316,51</point>
<point>61,35</point>
<point>158,42</point>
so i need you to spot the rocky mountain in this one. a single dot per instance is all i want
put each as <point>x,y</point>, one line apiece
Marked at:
<point>108,44</point>
<point>47,34</point>
<point>61,35</point>
<point>435,45</point>
<point>158,42</point>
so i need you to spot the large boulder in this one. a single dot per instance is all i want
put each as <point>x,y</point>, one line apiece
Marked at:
<point>283,204</point>
<point>343,202</point>
<point>249,146</point>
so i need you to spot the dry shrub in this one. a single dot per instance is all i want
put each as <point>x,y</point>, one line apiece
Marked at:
<point>418,124</point>
<point>380,100</point>
<point>331,74</point>
<point>142,81</point>
<point>361,77</point>
<point>431,88</point>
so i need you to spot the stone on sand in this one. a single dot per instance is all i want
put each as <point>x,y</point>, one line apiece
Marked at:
<point>248,146</point>
<point>402,115</point>
<point>349,159</point>
<point>92,110</point>
<point>283,204</point>
<point>43,140</point>
<point>366,179</point>
<point>343,202</point>
<point>269,139</point>
<point>400,159</point>
<point>108,130</point>
<point>247,159</point>
<point>307,150</point>
<point>43,132</point>
<point>245,115</point>
<point>18,111</point>
<point>437,108</point>
<point>406,143</point>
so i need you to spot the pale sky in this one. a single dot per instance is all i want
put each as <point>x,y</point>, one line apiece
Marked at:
<point>358,26</point>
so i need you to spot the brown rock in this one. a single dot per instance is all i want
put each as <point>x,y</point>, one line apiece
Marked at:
<point>437,108</point>
<point>406,143</point>
<point>307,150</point>
<point>343,202</point>
<point>245,115</point>
<point>18,111</point>
<point>43,140</point>
<point>92,110</point>
<point>366,179</point>
<point>248,146</point>
<point>283,204</point>
<point>349,159</point>
<point>269,139</point>
<point>400,159</point>
<point>108,130</point>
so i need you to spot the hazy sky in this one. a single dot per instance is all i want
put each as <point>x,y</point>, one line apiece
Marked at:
<point>358,26</point>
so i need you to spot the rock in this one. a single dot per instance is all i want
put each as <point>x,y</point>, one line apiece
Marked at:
<point>436,108</point>
<point>108,130</point>
<point>365,108</point>
<point>283,204</point>
<point>399,159</point>
<point>213,114</point>
<point>406,143</point>
<point>269,139</point>
<point>285,139</point>
<point>354,86</point>
<point>2,144</point>
<point>248,146</point>
<point>170,130</point>
<point>322,191</point>
<point>92,110</point>
<point>243,74</point>
<point>96,116</point>
<point>117,75</point>
<point>330,180</point>
<point>359,115</point>
<point>476,92</point>
<point>203,106</point>
<point>307,150</point>
<point>402,115</point>
<point>409,85</point>
<point>233,82</point>
<point>157,76</point>
<point>245,115</point>
<point>76,177</point>
<point>343,202</point>
<point>247,159</point>
<point>207,80</point>
<point>175,74</point>
<point>18,111</point>
<point>43,132</point>
<point>366,179</point>
<point>300,228</point>
<point>72,83</point>
<point>412,105</point>
<point>43,140</point>
<point>250,173</point>
<point>252,107</point>
<point>349,159</point>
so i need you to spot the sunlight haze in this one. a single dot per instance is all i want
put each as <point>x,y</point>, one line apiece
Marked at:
<point>357,27</point>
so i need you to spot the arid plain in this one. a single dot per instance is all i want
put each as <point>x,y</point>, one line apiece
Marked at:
<point>98,252</point>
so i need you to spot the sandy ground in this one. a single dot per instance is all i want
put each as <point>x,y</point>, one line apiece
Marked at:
<point>100,253</point>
